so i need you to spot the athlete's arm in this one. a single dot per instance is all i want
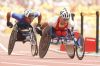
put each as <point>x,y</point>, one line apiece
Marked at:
<point>9,24</point>
<point>8,16</point>
<point>39,19</point>
<point>38,14</point>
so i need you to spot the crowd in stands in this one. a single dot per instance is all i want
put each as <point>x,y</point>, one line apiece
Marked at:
<point>48,8</point>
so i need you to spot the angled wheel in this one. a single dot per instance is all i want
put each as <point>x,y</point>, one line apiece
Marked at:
<point>44,42</point>
<point>34,47</point>
<point>70,50</point>
<point>70,46</point>
<point>34,50</point>
<point>12,40</point>
<point>80,50</point>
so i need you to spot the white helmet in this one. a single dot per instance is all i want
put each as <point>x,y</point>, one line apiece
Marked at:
<point>65,13</point>
<point>27,12</point>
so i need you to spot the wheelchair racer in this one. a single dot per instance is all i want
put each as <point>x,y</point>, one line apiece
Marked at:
<point>63,22</point>
<point>25,19</point>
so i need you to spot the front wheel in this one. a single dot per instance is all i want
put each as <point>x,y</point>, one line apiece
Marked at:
<point>34,50</point>
<point>80,50</point>
<point>70,50</point>
<point>34,47</point>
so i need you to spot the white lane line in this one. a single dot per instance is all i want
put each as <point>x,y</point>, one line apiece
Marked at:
<point>62,62</point>
<point>70,63</point>
<point>55,50</point>
<point>5,49</point>
<point>20,64</point>
<point>64,52</point>
<point>93,54</point>
<point>85,64</point>
<point>17,54</point>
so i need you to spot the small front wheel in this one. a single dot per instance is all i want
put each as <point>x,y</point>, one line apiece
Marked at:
<point>34,47</point>
<point>34,50</point>
<point>70,50</point>
<point>80,50</point>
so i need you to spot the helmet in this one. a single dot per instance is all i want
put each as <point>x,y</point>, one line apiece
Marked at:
<point>65,13</point>
<point>28,12</point>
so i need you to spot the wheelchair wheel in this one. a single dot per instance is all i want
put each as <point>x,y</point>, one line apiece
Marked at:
<point>44,42</point>
<point>12,40</point>
<point>70,50</point>
<point>80,50</point>
<point>34,47</point>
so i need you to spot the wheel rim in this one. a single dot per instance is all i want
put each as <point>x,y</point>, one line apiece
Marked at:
<point>70,51</point>
<point>34,49</point>
<point>80,49</point>
<point>43,47</point>
<point>44,42</point>
<point>80,52</point>
<point>12,42</point>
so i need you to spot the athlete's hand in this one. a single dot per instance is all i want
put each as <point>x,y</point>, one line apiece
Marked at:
<point>38,29</point>
<point>9,24</point>
<point>38,25</point>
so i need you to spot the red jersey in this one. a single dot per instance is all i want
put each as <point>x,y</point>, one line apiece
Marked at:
<point>60,30</point>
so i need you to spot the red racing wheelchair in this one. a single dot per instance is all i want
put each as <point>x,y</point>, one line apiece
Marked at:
<point>71,43</point>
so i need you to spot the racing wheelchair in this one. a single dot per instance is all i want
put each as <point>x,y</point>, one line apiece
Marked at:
<point>71,43</point>
<point>23,34</point>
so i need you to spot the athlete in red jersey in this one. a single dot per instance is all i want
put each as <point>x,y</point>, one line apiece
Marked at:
<point>63,23</point>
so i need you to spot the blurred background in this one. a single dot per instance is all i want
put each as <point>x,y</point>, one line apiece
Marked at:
<point>51,8</point>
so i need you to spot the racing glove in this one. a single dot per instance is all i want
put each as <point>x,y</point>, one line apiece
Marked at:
<point>39,29</point>
<point>9,24</point>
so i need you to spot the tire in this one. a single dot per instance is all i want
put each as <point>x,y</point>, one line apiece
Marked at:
<point>12,41</point>
<point>70,50</point>
<point>34,47</point>
<point>34,50</point>
<point>80,51</point>
<point>44,42</point>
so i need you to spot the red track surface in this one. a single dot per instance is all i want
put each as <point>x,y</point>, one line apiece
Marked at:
<point>21,56</point>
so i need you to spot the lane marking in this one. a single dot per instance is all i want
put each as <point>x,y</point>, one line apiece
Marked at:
<point>62,62</point>
<point>21,64</point>
<point>93,54</point>
<point>4,48</point>
<point>64,52</point>
<point>17,53</point>
<point>74,63</point>
<point>58,51</point>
